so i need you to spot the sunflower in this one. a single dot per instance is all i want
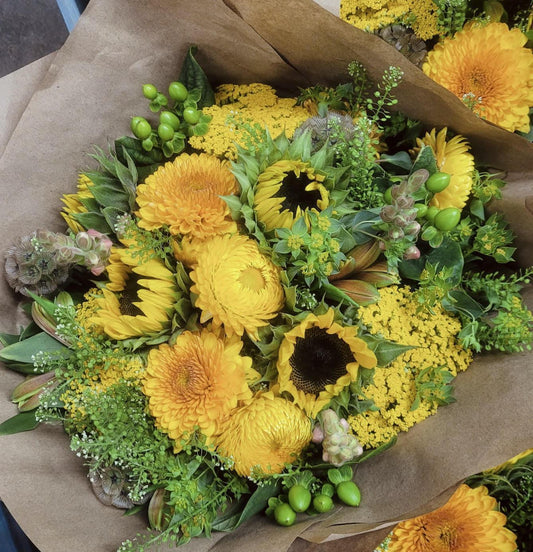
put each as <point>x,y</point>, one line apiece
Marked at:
<point>185,196</point>
<point>237,286</point>
<point>138,299</point>
<point>286,190</point>
<point>196,383</point>
<point>73,203</point>
<point>469,522</point>
<point>452,157</point>
<point>318,358</point>
<point>490,70</point>
<point>264,435</point>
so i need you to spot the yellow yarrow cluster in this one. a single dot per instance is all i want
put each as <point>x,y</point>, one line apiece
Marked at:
<point>372,15</point>
<point>434,338</point>
<point>253,104</point>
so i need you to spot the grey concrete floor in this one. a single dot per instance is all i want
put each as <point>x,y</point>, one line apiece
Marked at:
<point>29,30</point>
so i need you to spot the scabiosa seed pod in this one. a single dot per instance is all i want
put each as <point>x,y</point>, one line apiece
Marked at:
<point>34,263</point>
<point>327,129</point>
<point>339,444</point>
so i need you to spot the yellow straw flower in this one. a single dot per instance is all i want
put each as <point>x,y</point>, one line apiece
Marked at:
<point>452,157</point>
<point>318,359</point>
<point>264,435</point>
<point>185,196</point>
<point>237,286</point>
<point>490,70</point>
<point>286,190</point>
<point>469,522</point>
<point>196,383</point>
<point>139,298</point>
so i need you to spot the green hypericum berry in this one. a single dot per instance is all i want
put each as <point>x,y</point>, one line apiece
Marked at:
<point>169,118</point>
<point>149,91</point>
<point>299,498</point>
<point>177,91</point>
<point>438,182</point>
<point>165,131</point>
<point>349,493</point>
<point>142,129</point>
<point>447,219</point>
<point>322,503</point>
<point>191,115</point>
<point>284,515</point>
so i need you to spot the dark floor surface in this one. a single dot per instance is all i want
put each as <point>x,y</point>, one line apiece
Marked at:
<point>29,30</point>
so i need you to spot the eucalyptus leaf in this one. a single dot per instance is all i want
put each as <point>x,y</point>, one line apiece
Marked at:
<point>24,421</point>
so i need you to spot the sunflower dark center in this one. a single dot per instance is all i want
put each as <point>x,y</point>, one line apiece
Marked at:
<point>319,359</point>
<point>128,296</point>
<point>293,190</point>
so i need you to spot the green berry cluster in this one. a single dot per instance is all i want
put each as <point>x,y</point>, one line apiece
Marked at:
<point>179,118</point>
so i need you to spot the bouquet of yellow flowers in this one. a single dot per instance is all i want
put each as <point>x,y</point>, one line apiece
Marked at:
<point>259,288</point>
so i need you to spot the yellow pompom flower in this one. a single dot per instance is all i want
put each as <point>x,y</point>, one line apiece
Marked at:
<point>264,435</point>
<point>468,522</point>
<point>236,285</point>
<point>452,157</point>
<point>286,190</point>
<point>488,67</point>
<point>318,358</point>
<point>73,203</point>
<point>195,384</point>
<point>138,299</point>
<point>185,196</point>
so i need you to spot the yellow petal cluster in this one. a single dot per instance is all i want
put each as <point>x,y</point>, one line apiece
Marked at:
<point>73,205</point>
<point>372,15</point>
<point>304,353</point>
<point>185,196</point>
<point>434,338</point>
<point>264,435</point>
<point>196,383</point>
<point>490,69</point>
<point>248,105</point>
<point>453,157</point>
<point>236,285</point>
<point>138,299</point>
<point>286,190</point>
<point>468,522</point>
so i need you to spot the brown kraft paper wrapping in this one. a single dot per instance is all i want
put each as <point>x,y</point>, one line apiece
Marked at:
<point>86,97</point>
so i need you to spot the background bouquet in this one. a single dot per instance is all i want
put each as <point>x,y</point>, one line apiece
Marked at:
<point>382,510</point>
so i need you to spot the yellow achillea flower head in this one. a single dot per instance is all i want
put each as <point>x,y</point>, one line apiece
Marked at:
<point>237,286</point>
<point>185,196</point>
<point>196,383</point>
<point>286,190</point>
<point>372,15</point>
<point>452,157</point>
<point>138,299</point>
<point>73,205</point>
<point>318,358</point>
<point>433,337</point>
<point>468,522</point>
<point>264,435</point>
<point>488,68</point>
<point>246,105</point>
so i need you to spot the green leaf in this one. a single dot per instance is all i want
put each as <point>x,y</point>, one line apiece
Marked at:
<point>24,351</point>
<point>459,301</point>
<point>111,215</point>
<point>386,351</point>
<point>335,476</point>
<point>193,76</point>
<point>25,421</point>
<point>477,209</point>
<point>401,160</point>
<point>425,160</point>
<point>110,196</point>
<point>378,450</point>
<point>92,220</point>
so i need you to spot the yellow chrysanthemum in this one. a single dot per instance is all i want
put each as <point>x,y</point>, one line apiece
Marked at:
<point>453,157</point>
<point>138,299</point>
<point>185,196</point>
<point>488,68</point>
<point>468,522</point>
<point>286,190</point>
<point>264,435</point>
<point>237,286</point>
<point>73,205</point>
<point>196,384</point>
<point>318,359</point>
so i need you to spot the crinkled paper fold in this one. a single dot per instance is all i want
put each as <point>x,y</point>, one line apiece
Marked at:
<point>86,97</point>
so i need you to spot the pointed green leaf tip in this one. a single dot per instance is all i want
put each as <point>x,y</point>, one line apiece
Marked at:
<point>193,77</point>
